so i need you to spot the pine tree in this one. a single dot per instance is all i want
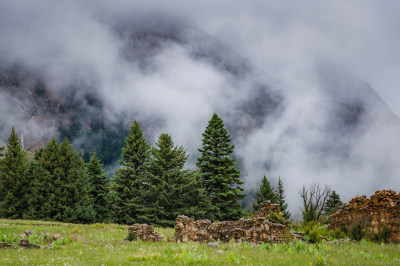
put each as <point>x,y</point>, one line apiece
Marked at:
<point>99,187</point>
<point>1,151</point>
<point>46,183</point>
<point>219,174</point>
<point>266,193</point>
<point>13,179</point>
<point>333,203</point>
<point>171,188</point>
<point>75,196</point>
<point>129,185</point>
<point>198,203</point>
<point>280,195</point>
<point>60,189</point>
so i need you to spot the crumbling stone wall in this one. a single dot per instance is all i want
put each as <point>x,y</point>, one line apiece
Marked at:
<point>267,207</point>
<point>255,230</point>
<point>144,232</point>
<point>381,210</point>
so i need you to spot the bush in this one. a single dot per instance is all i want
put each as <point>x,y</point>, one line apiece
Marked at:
<point>383,234</point>
<point>276,218</point>
<point>131,236</point>
<point>357,232</point>
<point>309,216</point>
<point>295,227</point>
<point>338,233</point>
<point>343,228</point>
<point>324,219</point>
<point>312,232</point>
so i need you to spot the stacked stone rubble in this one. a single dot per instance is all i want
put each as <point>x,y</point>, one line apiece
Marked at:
<point>380,211</point>
<point>144,232</point>
<point>254,230</point>
<point>266,208</point>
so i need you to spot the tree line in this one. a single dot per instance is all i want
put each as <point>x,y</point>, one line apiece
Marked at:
<point>150,186</point>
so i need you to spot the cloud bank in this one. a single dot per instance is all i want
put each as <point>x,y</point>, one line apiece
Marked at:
<point>176,63</point>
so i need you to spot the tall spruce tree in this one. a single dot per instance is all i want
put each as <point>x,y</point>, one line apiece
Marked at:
<point>1,151</point>
<point>266,193</point>
<point>332,203</point>
<point>46,183</point>
<point>13,179</point>
<point>280,196</point>
<point>198,204</point>
<point>173,190</point>
<point>79,204</point>
<point>60,189</point>
<point>218,171</point>
<point>129,186</point>
<point>99,187</point>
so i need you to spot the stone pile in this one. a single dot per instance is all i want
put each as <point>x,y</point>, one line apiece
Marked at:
<point>380,211</point>
<point>24,243</point>
<point>267,207</point>
<point>145,233</point>
<point>255,230</point>
<point>6,245</point>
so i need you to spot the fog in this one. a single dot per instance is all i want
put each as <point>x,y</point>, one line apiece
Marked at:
<point>315,56</point>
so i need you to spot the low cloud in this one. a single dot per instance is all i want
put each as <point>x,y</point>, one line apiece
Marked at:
<point>210,57</point>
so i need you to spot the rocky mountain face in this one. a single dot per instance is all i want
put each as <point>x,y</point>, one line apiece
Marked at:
<point>77,111</point>
<point>256,111</point>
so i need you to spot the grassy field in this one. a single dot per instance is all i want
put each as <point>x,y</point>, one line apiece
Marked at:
<point>103,244</point>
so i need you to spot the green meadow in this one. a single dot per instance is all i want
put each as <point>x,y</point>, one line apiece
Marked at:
<point>104,244</point>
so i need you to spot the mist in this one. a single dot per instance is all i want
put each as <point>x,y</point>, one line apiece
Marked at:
<point>328,74</point>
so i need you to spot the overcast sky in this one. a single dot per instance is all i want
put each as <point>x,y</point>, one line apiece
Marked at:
<point>361,35</point>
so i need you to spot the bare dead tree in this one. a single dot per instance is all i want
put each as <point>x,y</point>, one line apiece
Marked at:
<point>314,198</point>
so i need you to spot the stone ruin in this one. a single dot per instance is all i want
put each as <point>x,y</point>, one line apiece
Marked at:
<point>266,208</point>
<point>144,232</point>
<point>380,211</point>
<point>255,230</point>
<point>24,242</point>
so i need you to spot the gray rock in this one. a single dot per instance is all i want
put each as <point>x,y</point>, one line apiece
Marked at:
<point>213,244</point>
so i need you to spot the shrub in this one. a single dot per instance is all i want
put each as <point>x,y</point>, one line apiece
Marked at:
<point>276,218</point>
<point>324,219</point>
<point>312,232</point>
<point>343,228</point>
<point>383,234</point>
<point>357,231</point>
<point>338,233</point>
<point>295,227</point>
<point>308,216</point>
<point>131,236</point>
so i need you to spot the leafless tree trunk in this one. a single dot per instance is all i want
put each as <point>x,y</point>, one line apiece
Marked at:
<point>314,198</point>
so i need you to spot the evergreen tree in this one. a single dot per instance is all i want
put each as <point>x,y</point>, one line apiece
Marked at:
<point>332,203</point>
<point>98,188</point>
<point>172,189</point>
<point>13,179</point>
<point>60,189</point>
<point>129,185</point>
<point>1,151</point>
<point>46,183</point>
<point>198,204</point>
<point>219,174</point>
<point>280,195</point>
<point>266,193</point>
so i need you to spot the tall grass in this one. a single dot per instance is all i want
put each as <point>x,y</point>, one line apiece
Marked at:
<point>103,244</point>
